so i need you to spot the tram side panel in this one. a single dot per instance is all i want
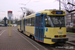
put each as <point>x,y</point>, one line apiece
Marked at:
<point>29,30</point>
<point>29,26</point>
<point>18,27</point>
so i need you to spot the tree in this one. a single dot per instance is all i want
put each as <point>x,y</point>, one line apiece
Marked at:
<point>5,18</point>
<point>68,5</point>
<point>27,11</point>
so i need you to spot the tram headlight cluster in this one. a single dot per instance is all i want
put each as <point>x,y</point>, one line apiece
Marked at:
<point>60,36</point>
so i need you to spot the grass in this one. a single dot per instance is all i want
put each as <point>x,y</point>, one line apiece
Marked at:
<point>71,33</point>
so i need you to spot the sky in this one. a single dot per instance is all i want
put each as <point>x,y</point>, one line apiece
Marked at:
<point>15,6</point>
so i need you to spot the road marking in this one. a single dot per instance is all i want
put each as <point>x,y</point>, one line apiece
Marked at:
<point>38,44</point>
<point>27,40</point>
<point>2,32</point>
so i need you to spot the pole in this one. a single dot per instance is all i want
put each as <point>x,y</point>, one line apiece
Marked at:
<point>59,4</point>
<point>9,15</point>
<point>9,27</point>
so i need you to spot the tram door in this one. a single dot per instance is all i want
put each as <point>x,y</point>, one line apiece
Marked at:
<point>39,27</point>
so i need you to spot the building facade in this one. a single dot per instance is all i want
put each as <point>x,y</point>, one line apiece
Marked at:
<point>70,18</point>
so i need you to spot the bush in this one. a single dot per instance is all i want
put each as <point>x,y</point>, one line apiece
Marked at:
<point>73,29</point>
<point>69,29</point>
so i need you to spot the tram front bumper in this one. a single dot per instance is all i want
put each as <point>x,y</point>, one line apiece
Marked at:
<point>60,40</point>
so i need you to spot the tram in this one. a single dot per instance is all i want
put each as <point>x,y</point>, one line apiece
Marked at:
<point>46,26</point>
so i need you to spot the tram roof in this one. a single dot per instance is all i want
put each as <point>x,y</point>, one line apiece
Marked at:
<point>48,12</point>
<point>30,16</point>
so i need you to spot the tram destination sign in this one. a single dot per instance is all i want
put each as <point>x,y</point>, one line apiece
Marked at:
<point>59,12</point>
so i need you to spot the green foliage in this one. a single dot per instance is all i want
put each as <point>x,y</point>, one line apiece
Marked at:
<point>73,29</point>
<point>69,29</point>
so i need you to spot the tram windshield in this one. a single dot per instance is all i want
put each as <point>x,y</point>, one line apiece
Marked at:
<point>56,21</point>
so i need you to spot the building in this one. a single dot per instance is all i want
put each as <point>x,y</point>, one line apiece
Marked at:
<point>70,17</point>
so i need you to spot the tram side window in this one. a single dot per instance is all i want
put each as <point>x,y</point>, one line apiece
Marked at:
<point>36,19</point>
<point>47,24</point>
<point>41,21</point>
<point>29,22</point>
<point>45,21</point>
<point>18,23</point>
<point>25,21</point>
<point>32,21</point>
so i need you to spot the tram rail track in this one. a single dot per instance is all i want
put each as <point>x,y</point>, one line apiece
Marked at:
<point>66,46</point>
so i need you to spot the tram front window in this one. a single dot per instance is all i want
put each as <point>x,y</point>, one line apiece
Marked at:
<point>58,21</point>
